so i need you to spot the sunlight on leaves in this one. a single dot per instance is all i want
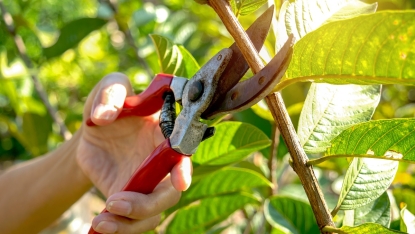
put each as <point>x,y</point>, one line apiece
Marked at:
<point>368,49</point>
<point>365,180</point>
<point>223,181</point>
<point>392,138</point>
<point>367,228</point>
<point>330,109</point>
<point>407,219</point>
<point>72,33</point>
<point>233,142</point>
<point>174,59</point>
<point>304,16</point>
<point>246,7</point>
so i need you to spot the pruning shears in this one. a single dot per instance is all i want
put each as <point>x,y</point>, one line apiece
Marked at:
<point>213,91</point>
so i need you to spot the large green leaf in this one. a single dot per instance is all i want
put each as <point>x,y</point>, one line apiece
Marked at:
<point>330,109</point>
<point>368,49</point>
<point>392,138</point>
<point>72,33</point>
<point>223,181</point>
<point>206,212</point>
<point>246,7</point>
<point>289,215</point>
<point>174,59</point>
<point>407,220</point>
<point>367,228</point>
<point>233,142</point>
<point>301,17</point>
<point>378,211</point>
<point>365,180</point>
<point>304,16</point>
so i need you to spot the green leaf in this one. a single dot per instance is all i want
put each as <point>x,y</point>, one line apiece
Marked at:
<point>330,109</point>
<point>407,220</point>
<point>365,180</point>
<point>207,212</point>
<point>36,130</point>
<point>223,181</point>
<point>9,89</point>
<point>367,228</point>
<point>246,7</point>
<point>72,33</point>
<point>351,9</point>
<point>304,16</point>
<point>301,17</point>
<point>289,215</point>
<point>174,59</point>
<point>369,49</point>
<point>378,211</point>
<point>392,138</point>
<point>233,142</point>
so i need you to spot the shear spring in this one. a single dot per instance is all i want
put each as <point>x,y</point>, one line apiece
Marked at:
<point>168,115</point>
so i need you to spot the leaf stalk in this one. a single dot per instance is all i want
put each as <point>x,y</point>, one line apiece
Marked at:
<point>316,161</point>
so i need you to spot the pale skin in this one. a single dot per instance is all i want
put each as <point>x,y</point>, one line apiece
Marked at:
<point>37,192</point>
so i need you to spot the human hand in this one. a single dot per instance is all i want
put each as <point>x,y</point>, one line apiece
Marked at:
<point>110,152</point>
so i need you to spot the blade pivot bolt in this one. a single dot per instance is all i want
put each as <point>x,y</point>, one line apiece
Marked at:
<point>261,80</point>
<point>234,95</point>
<point>195,91</point>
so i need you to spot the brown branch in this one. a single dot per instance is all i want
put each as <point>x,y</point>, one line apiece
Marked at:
<point>130,39</point>
<point>281,117</point>
<point>21,48</point>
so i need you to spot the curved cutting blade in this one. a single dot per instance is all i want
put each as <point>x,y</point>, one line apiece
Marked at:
<point>238,66</point>
<point>252,90</point>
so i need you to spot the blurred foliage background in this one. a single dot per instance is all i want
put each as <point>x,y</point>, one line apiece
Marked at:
<point>74,43</point>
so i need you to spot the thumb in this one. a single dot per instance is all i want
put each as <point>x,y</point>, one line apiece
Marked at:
<point>181,174</point>
<point>108,98</point>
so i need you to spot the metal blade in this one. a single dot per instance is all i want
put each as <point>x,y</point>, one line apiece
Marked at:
<point>238,66</point>
<point>251,91</point>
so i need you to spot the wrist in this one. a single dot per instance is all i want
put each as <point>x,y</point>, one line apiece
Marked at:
<point>70,150</point>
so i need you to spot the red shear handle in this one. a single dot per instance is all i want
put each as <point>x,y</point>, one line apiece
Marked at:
<point>154,168</point>
<point>148,102</point>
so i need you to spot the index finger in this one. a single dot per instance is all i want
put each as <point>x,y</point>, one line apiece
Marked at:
<point>141,206</point>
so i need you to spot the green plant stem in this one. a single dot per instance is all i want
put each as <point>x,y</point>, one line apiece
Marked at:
<point>21,48</point>
<point>128,36</point>
<point>335,210</point>
<point>332,229</point>
<point>280,114</point>
<point>325,158</point>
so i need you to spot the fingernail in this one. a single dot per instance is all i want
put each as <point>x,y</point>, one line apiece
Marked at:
<point>120,207</point>
<point>106,227</point>
<point>104,112</point>
<point>114,95</point>
<point>187,169</point>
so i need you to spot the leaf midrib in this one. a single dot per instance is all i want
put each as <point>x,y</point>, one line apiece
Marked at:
<point>321,79</point>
